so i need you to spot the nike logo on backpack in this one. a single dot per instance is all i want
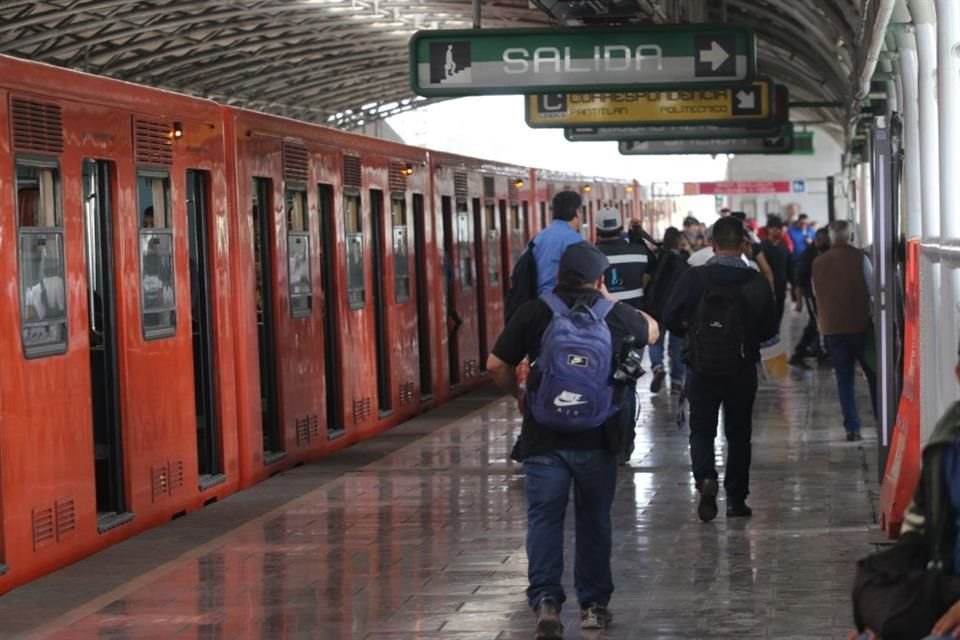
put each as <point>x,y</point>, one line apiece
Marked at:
<point>568,399</point>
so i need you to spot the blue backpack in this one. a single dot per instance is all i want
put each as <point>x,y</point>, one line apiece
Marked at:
<point>571,384</point>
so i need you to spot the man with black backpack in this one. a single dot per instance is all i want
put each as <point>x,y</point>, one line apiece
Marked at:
<point>580,344</point>
<point>725,309</point>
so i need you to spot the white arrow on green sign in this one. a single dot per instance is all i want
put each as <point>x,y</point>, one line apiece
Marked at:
<point>780,143</point>
<point>493,61</point>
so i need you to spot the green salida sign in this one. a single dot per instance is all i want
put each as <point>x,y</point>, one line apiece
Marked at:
<point>504,61</point>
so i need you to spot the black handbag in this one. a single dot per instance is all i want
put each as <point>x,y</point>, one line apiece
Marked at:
<point>901,592</point>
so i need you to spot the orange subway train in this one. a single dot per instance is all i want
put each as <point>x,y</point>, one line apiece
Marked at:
<point>195,297</point>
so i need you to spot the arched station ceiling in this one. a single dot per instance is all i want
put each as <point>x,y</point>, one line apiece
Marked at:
<point>342,61</point>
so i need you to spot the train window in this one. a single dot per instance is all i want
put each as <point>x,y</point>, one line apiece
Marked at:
<point>43,305</point>
<point>356,287</point>
<point>543,215</point>
<point>463,245</point>
<point>158,302</point>
<point>298,253</point>
<point>492,245</point>
<point>401,253</point>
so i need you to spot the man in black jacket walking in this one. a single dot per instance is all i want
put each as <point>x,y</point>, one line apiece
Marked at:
<point>725,309</point>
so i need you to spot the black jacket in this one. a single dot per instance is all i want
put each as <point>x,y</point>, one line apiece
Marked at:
<point>761,314</point>
<point>670,266</point>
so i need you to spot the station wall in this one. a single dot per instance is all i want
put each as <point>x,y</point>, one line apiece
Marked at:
<point>812,170</point>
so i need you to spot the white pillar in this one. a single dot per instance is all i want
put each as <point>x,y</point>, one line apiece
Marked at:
<point>910,108</point>
<point>948,88</point>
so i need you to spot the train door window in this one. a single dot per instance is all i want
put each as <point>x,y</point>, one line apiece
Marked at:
<point>101,316</point>
<point>481,257</point>
<point>262,214</point>
<point>401,251</point>
<point>525,222</point>
<point>356,286</point>
<point>331,353</point>
<point>543,215</point>
<point>452,317</point>
<point>517,237</point>
<point>423,296</point>
<point>379,300</point>
<point>493,244</point>
<point>463,246</point>
<point>298,252</point>
<point>201,328</point>
<point>43,303</point>
<point>157,277</point>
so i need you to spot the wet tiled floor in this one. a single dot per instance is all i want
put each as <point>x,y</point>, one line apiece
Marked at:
<point>426,541</point>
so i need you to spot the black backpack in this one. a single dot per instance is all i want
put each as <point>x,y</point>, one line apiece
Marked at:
<point>716,340</point>
<point>523,282</point>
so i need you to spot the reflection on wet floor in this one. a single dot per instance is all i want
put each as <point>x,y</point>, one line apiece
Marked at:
<point>428,543</point>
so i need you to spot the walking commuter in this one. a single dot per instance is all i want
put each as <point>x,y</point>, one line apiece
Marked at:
<point>801,236</point>
<point>549,244</point>
<point>778,257</point>
<point>571,431</point>
<point>725,310</point>
<point>809,345</point>
<point>625,280</point>
<point>843,287</point>
<point>670,266</point>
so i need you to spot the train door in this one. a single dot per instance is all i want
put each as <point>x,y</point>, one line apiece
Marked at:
<point>423,296</point>
<point>263,259</point>
<point>201,328</point>
<point>508,257</point>
<point>104,368</point>
<point>380,302</point>
<point>452,317</point>
<point>328,296</point>
<point>481,218</point>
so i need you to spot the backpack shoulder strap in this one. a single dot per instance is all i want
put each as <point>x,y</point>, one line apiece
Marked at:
<point>557,306</point>
<point>602,307</point>
<point>935,507</point>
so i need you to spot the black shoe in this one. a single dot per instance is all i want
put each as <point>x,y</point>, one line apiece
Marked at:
<point>595,616</point>
<point>796,360</point>
<point>549,626</point>
<point>676,388</point>
<point>854,436</point>
<point>739,510</point>
<point>657,383</point>
<point>707,508</point>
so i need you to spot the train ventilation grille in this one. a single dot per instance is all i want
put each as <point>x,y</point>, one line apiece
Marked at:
<point>37,126</point>
<point>43,527</point>
<point>362,409</point>
<point>352,172</point>
<point>408,392</point>
<point>489,190</point>
<point>397,181</point>
<point>470,369</point>
<point>514,192</point>
<point>295,163</point>
<point>66,518</point>
<point>159,481</point>
<point>308,429</point>
<point>152,142</point>
<point>176,475</point>
<point>460,184</point>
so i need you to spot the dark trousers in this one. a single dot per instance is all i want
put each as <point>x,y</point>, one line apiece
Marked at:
<point>810,340</point>
<point>628,421</point>
<point>735,394</point>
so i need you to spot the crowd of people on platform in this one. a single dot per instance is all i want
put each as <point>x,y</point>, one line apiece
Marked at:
<point>706,301</point>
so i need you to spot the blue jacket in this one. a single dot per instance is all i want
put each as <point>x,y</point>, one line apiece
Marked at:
<point>802,238</point>
<point>548,246</point>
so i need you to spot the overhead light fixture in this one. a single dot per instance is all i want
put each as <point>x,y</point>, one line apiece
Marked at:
<point>629,188</point>
<point>518,184</point>
<point>406,170</point>
<point>177,132</point>
<point>587,188</point>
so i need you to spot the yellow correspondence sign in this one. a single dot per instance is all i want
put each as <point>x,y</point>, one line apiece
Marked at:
<point>751,102</point>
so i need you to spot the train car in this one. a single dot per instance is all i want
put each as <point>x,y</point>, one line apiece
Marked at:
<point>337,274</point>
<point>117,387</point>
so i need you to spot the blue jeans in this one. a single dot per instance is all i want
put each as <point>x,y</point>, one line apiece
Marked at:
<point>675,346</point>
<point>845,351</point>
<point>594,477</point>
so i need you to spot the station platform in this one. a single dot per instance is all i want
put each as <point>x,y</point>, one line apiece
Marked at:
<point>419,534</point>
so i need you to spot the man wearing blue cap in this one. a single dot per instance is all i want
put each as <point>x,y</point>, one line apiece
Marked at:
<point>556,454</point>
